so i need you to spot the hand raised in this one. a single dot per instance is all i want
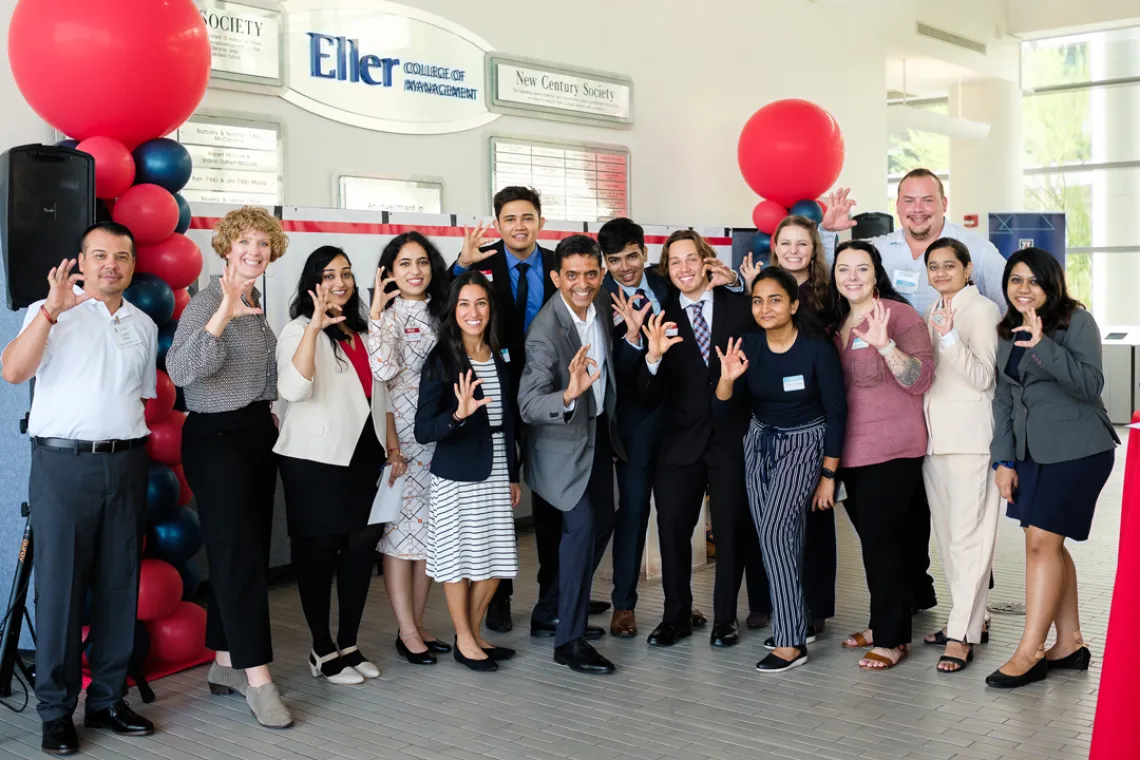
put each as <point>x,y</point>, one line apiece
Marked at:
<point>465,394</point>
<point>321,308</point>
<point>380,295</point>
<point>1031,324</point>
<point>749,270</point>
<point>473,240</point>
<point>876,333</point>
<point>633,318</point>
<point>61,289</point>
<point>581,377</point>
<point>722,274</point>
<point>942,318</point>
<point>837,218</point>
<point>657,331</point>
<point>236,295</point>
<point>733,362</point>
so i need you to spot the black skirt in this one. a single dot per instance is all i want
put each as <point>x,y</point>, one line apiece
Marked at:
<point>327,499</point>
<point>1060,497</point>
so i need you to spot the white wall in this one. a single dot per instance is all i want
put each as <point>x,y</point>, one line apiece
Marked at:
<point>1037,18</point>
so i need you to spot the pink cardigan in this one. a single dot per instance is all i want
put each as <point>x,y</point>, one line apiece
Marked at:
<point>884,419</point>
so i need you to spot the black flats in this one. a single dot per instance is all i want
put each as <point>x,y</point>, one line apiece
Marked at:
<point>416,658</point>
<point>1000,680</point>
<point>774,664</point>
<point>1078,660</point>
<point>481,666</point>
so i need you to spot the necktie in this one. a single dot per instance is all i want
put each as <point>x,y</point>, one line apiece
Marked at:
<point>701,330</point>
<point>640,299</point>
<point>521,292</point>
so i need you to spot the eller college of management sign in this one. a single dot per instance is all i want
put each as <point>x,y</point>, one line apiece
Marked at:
<point>388,67</point>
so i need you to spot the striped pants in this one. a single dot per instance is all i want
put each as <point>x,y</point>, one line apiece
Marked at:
<point>781,470</point>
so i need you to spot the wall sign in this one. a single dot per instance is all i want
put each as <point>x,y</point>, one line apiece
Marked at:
<point>550,89</point>
<point>384,66</point>
<point>245,41</point>
<point>577,182</point>
<point>234,161</point>
<point>396,195</point>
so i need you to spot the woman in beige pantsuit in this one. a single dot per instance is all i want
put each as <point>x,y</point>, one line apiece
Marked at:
<point>964,502</point>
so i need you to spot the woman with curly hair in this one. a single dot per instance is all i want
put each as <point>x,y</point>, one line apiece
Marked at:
<point>222,357</point>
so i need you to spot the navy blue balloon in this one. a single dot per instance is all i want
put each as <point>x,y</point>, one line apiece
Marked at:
<point>68,143</point>
<point>191,577</point>
<point>165,338</point>
<point>150,293</point>
<point>163,162</point>
<point>808,208</point>
<point>176,540</point>
<point>183,214</point>
<point>761,243</point>
<point>161,493</point>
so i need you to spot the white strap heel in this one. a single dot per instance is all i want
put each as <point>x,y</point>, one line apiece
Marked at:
<point>346,677</point>
<point>365,668</point>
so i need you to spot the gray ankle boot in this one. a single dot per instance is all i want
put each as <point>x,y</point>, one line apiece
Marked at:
<point>223,680</point>
<point>265,702</point>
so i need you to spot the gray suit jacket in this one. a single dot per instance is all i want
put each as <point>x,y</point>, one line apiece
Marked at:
<point>1055,410</point>
<point>558,449</point>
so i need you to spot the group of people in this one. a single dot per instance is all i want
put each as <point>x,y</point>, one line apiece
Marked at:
<point>918,378</point>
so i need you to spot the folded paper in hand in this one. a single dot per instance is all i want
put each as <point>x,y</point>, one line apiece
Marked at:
<point>389,500</point>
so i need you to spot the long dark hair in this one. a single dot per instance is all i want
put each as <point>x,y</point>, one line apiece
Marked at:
<point>838,307</point>
<point>1059,306</point>
<point>437,288</point>
<point>449,350</point>
<point>787,282</point>
<point>311,277</point>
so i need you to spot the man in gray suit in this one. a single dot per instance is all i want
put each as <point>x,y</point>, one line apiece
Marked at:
<point>566,400</point>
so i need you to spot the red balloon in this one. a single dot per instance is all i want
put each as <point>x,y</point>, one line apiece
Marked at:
<point>790,150</point>
<point>181,298</point>
<point>129,69</point>
<point>163,403</point>
<point>114,165</point>
<point>160,590</point>
<point>767,215</point>
<point>184,492</point>
<point>165,444</point>
<point>177,260</point>
<point>149,212</point>
<point>179,636</point>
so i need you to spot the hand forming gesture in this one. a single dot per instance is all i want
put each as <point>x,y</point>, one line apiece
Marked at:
<point>236,295</point>
<point>62,295</point>
<point>749,270</point>
<point>942,318</point>
<point>473,240</point>
<point>381,297</point>
<point>721,273</point>
<point>659,339</point>
<point>581,378</point>
<point>876,333</point>
<point>838,215</point>
<point>634,318</point>
<point>733,362</point>
<point>1030,323</point>
<point>465,394</point>
<point>321,308</point>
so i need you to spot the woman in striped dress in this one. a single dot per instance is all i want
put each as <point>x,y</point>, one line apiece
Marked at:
<point>463,409</point>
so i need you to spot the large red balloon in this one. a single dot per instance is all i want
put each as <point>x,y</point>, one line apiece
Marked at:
<point>114,165</point>
<point>165,444</point>
<point>179,636</point>
<point>163,403</point>
<point>767,216</point>
<point>160,589</point>
<point>177,260</point>
<point>181,299</point>
<point>128,69</point>
<point>790,150</point>
<point>184,492</point>
<point>148,211</point>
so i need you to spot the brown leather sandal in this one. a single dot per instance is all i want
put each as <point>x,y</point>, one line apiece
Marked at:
<point>860,640</point>
<point>885,663</point>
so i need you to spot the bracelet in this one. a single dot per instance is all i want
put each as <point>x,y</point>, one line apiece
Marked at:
<point>47,316</point>
<point>887,348</point>
<point>396,451</point>
<point>825,472</point>
<point>1008,464</point>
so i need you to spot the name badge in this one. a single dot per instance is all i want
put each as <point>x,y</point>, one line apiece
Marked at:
<point>618,319</point>
<point>671,332</point>
<point>488,274</point>
<point>506,355</point>
<point>794,383</point>
<point>905,281</point>
<point>859,343</point>
<point>125,335</point>
<point>412,334</point>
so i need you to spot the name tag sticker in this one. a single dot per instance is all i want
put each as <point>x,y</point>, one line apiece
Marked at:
<point>488,274</point>
<point>671,332</point>
<point>125,335</point>
<point>859,343</point>
<point>506,355</point>
<point>794,383</point>
<point>412,334</point>
<point>618,319</point>
<point>905,281</point>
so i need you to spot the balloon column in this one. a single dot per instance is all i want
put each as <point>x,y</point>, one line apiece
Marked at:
<point>129,96</point>
<point>790,152</point>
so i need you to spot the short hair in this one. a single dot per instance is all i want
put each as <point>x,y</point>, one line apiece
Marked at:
<point>233,224</point>
<point>957,246</point>
<point>111,228</point>
<point>516,193</point>
<point>616,234</point>
<point>575,245</point>
<point>704,250</point>
<point>921,173</point>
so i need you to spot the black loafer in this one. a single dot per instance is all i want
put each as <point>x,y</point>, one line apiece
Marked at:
<point>579,656</point>
<point>542,630</point>
<point>437,646</point>
<point>1000,680</point>
<point>120,718</point>
<point>666,635</point>
<point>774,664</point>
<point>59,737</point>
<point>725,634</point>
<point>499,616</point>
<point>597,608</point>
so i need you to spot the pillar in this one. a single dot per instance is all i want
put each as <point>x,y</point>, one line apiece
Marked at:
<point>986,175</point>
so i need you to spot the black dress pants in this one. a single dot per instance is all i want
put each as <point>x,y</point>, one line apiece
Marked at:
<point>820,562</point>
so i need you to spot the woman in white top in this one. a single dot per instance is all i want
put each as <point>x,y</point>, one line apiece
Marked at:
<point>964,502</point>
<point>411,292</point>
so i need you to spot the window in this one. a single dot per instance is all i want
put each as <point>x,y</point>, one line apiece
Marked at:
<point>578,183</point>
<point>916,149</point>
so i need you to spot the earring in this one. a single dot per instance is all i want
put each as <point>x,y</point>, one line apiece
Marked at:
<point>875,293</point>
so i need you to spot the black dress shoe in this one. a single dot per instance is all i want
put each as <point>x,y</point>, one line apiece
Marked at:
<point>437,646</point>
<point>725,634</point>
<point>120,718</point>
<point>698,619</point>
<point>580,656</point>
<point>1078,660</point>
<point>1000,680</point>
<point>416,658</point>
<point>482,666</point>
<point>499,654</point>
<point>666,635</point>
<point>597,608</point>
<point>499,616</point>
<point>926,600</point>
<point>59,737</point>
<point>542,630</point>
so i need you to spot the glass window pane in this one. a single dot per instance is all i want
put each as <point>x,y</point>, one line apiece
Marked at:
<point>1095,125</point>
<point>1095,56</point>
<point>1101,204</point>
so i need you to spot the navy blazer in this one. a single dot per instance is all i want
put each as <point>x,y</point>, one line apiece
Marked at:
<point>463,450</point>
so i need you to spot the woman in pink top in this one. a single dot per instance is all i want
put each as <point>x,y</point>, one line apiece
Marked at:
<point>888,364</point>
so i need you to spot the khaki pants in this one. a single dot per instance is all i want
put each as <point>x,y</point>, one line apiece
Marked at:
<point>964,506</point>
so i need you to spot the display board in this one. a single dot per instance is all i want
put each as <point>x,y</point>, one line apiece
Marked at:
<point>235,161</point>
<point>386,194</point>
<point>577,181</point>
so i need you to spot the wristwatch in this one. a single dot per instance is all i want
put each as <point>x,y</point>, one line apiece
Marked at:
<point>829,474</point>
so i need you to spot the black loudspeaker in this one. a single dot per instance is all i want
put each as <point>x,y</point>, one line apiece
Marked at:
<point>47,200</point>
<point>872,224</point>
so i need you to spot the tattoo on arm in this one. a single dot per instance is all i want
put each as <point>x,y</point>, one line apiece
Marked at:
<point>906,369</point>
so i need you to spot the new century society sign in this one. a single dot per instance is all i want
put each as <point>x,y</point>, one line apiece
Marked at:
<point>384,66</point>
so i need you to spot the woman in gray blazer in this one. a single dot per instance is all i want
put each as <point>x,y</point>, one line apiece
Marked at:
<point>1052,450</point>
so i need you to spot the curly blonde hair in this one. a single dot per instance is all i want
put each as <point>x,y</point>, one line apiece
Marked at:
<point>238,221</point>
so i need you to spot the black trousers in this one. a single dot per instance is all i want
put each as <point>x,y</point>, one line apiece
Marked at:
<point>918,548</point>
<point>679,490</point>
<point>229,464</point>
<point>88,513</point>
<point>879,500</point>
<point>820,562</point>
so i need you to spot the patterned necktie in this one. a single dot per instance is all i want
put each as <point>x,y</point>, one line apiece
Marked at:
<point>701,330</point>
<point>640,299</point>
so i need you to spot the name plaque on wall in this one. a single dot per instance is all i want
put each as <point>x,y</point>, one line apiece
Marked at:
<point>551,89</point>
<point>245,41</point>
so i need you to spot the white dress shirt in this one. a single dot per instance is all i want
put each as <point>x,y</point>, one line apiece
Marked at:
<point>96,370</point>
<point>590,332</point>
<point>706,302</point>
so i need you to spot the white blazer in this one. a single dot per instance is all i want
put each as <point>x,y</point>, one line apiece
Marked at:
<point>321,419</point>
<point>958,406</point>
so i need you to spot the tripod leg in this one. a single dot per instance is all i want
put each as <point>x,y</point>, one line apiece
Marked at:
<point>138,673</point>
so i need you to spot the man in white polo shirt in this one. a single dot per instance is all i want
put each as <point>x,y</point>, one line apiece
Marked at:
<point>93,358</point>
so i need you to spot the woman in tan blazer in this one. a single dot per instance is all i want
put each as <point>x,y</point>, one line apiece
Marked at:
<point>964,502</point>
